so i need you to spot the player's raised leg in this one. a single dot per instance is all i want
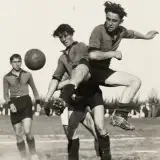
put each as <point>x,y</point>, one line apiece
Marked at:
<point>132,85</point>
<point>79,74</point>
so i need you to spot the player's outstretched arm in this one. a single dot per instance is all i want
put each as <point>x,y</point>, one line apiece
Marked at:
<point>148,36</point>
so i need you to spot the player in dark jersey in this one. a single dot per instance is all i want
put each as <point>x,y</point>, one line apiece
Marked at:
<point>87,121</point>
<point>103,44</point>
<point>16,94</point>
<point>73,58</point>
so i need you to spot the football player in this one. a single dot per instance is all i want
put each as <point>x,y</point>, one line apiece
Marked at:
<point>16,94</point>
<point>104,41</point>
<point>74,61</point>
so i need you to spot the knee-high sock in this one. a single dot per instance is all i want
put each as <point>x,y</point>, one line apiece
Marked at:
<point>73,149</point>
<point>31,145</point>
<point>123,109</point>
<point>22,149</point>
<point>104,142</point>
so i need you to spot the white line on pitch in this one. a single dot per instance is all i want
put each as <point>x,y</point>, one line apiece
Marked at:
<point>63,135</point>
<point>147,151</point>
<point>82,140</point>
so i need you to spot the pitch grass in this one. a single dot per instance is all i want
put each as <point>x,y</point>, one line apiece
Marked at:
<point>126,145</point>
<point>141,144</point>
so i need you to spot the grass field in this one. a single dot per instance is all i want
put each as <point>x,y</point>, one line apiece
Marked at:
<point>141,144</point>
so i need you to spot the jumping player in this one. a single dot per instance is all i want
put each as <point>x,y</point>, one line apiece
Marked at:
<point>73,58</point>
<point>104,41</point>
<point>16,94</point>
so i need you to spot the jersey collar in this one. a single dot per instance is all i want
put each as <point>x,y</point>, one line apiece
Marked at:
<point>69,47</point>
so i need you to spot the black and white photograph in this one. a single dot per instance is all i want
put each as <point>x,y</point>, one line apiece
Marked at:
<point>79,80</point>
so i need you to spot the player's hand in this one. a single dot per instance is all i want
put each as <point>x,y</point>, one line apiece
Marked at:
<point>151,34</point>
<point>13,108</point>
<point>118,55</point>
<point>39,108</point>
<point>47,109</point>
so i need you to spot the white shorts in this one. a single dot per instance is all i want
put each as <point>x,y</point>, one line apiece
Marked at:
<point>65,117</point>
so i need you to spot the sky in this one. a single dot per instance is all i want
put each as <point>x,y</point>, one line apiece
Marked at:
<point>27,24</point>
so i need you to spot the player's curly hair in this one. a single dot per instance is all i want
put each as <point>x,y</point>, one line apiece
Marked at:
<point>115,8</point>
<point>62,29</point>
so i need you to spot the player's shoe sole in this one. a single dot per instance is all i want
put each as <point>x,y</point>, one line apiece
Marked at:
<point>119,121</point>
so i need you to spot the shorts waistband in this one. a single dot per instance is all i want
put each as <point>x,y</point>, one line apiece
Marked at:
<point>16,97</point>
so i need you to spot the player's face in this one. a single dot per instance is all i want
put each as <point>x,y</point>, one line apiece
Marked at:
<point>112,21</point>
<point>66,39</point>
<point>16,64</point>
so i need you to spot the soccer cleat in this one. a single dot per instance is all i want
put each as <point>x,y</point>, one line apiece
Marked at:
<point>121,122</point>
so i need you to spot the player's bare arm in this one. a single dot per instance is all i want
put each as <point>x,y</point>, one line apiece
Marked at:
<point>51,89</point>
<point>148,36</point>
<point>99,55</point>
<point>56,78</point>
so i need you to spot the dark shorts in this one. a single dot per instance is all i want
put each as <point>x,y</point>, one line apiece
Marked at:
<point>85,62</point>
<point>87,95</point>
<point>99,75</point>
<point>24,109</point>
